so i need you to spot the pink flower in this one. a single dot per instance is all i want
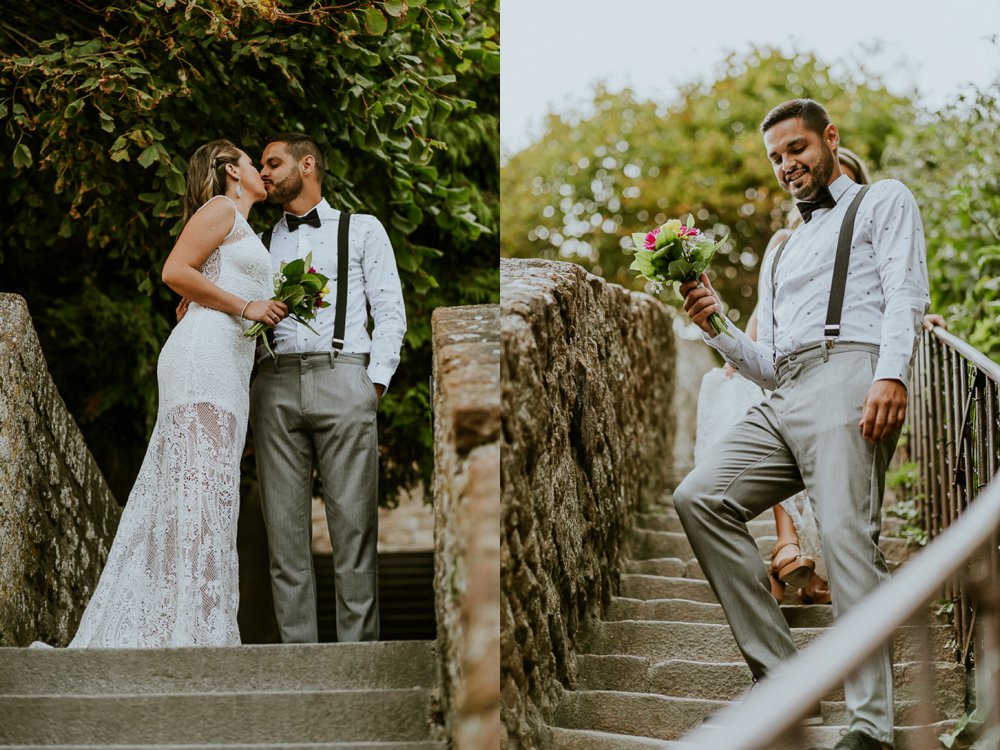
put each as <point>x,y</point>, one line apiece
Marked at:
<point>688,232</point>
<point>650,243</point>
<point>312,270</point>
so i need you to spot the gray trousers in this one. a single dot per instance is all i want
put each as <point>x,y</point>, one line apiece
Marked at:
<point>805,436</point>
<point>322,404</point>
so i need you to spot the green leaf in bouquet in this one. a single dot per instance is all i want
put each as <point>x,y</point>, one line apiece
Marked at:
<point>293,270</point>
<point>639,240</point>
<point>643,263</point>
<point>680,270</point>
<point>690,221</point>
<point>311,283</point>
<point>670,252</point>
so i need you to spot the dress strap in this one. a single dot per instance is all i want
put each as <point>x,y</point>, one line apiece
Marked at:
<point>236,209</point>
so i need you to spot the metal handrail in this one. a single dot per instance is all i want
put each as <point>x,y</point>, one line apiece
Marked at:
<point>955,421</point>
<point>775,706</point>
<point>970,352</point>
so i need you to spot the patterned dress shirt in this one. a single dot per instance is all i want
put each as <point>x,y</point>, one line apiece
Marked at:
<point>884,301</point>
<point>373,281</point>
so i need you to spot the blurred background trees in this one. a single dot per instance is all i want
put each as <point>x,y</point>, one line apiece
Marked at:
<point>103,102</point>
<point>630,165</point>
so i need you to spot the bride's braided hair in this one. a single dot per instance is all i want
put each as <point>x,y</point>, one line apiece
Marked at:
<point>206,175</point>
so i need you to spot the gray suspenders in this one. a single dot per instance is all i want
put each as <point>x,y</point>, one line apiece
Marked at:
<point>831,329</point>
<point>343,233</point>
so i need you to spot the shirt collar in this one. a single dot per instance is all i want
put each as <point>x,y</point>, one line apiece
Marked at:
<point>839,187</point>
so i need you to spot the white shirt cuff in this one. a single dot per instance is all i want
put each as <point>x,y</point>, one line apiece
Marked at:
<point>723,343</point>
<point>380,376</point>
<point>893,367</point>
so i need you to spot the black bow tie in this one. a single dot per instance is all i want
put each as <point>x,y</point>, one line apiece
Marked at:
<point>823,200</point>
<point>294,222</point>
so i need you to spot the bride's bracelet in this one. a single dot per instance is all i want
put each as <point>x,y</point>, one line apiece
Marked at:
<point>244,310</point>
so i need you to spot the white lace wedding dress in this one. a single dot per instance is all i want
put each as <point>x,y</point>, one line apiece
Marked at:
<point>722,402</point>
<point>172,578</point>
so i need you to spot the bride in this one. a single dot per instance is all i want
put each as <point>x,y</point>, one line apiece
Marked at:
<point>171,578</point>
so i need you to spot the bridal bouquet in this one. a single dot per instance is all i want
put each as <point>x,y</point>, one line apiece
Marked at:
<point>302,288</point>
<point>675,252</point>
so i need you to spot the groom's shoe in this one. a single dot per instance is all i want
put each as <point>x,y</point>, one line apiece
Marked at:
<point>857,740</point>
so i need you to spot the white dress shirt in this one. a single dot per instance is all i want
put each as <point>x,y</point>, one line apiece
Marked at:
<point>372,278</point>
<point>884,301</point>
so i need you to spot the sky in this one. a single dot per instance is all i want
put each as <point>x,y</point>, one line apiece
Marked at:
<point>553,52</point>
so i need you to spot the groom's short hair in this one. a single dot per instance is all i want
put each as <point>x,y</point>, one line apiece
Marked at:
<point>813,115</point>
<point>300,145</point>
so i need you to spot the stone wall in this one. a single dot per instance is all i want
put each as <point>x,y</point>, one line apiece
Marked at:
<point>57,515</point>
<point>467,521</point>
<point>587,385</point>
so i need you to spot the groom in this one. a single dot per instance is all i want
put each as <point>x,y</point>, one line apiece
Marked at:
<point>319,397</point>
<point>836,341</point>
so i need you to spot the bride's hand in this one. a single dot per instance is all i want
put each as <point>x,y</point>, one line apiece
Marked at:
<point>267,311</point>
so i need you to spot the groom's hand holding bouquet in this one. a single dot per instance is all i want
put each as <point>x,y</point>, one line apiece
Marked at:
<point>701,303</point>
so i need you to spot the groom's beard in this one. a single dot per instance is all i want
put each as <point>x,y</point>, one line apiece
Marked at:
<point>820,175</point>
<point>285,191</point>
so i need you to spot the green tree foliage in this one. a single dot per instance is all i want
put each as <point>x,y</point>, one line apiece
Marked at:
<point>589,182</point>
<point>952,165</point>
<point>102,103</point>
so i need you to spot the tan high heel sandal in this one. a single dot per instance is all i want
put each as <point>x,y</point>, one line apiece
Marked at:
<point>795,572</point>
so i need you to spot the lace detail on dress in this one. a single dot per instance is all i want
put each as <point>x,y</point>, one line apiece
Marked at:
<point>172,575</point>
<point>238,233</point>
<point>212,266</point>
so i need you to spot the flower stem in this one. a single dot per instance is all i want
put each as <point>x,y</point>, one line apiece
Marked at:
<point>719,324</point>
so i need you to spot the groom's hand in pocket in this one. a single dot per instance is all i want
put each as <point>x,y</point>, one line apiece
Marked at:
<point>700,301</point>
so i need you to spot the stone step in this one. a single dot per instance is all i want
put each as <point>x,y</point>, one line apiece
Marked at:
<point>225,718</point>
<point>906,738</point>
<point>693,569</point>
<point>561,738</point>
<point>644,544</point>
<point>729,681</point>
<point>661,641</point>
<point>669,521</point>
<point>683,610</point>
<point>271,668</point>
<point>667,567</point>
<point>659,587</point>
<point>670,718</point>
<point>764,525</point>
<point>895,549</point>
<point>643,714</point>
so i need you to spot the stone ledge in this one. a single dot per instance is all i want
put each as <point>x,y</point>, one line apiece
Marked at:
<point>57,514</point>
<point>587,386</point>
<point>467,422</point>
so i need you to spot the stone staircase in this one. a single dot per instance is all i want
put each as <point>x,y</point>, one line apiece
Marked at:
<point>349,696</point>
<point>663,658</point>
